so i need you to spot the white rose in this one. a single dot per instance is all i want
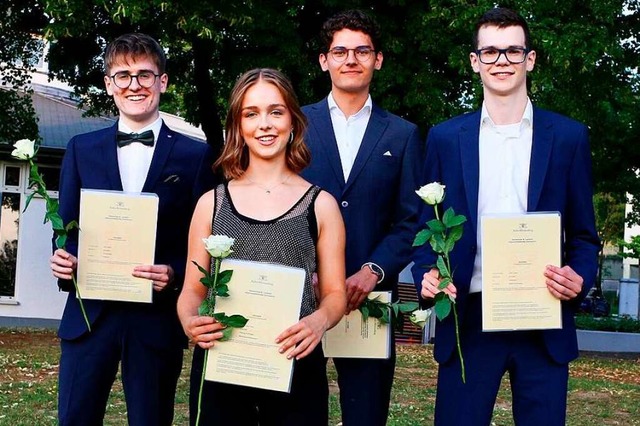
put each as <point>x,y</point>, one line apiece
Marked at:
<point>432,193</point>
<point>25,149</point>
<point>218,246</point>
<point>420,317</point>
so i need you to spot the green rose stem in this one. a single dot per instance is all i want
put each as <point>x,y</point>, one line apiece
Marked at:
<point>206,352</point>
<point>52,215</point>
<point>451,300</point>
<point>218,247</point>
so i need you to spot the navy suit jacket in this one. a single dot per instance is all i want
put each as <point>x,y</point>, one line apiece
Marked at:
<point>378,202</point>
<point>179,173</point>
<point>559,180</point>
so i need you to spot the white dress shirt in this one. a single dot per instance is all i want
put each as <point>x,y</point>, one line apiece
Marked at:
<point>134,159</point>
<point>505,155</point>
<point>349,132</point>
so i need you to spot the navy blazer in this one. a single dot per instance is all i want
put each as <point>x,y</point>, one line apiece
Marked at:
<point>559,180</point>
<point>180,172</point>
<point>378,202</point>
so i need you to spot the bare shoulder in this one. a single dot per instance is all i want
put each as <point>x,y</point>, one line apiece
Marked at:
<point>326,206</point>
<point>205,203</point>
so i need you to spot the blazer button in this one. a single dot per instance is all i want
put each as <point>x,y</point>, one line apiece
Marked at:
<point>344,204</point>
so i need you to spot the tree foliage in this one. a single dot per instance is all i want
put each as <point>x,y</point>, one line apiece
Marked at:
<point>20,20</point>
<point>587,58</point>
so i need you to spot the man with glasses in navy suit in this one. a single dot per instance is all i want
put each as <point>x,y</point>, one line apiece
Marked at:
<point>138,154</point>
<point>509,157</point>
<point>369,160</point>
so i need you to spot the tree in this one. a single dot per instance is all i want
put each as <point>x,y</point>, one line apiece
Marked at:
<point>587,58</point>
<point>20,49</point>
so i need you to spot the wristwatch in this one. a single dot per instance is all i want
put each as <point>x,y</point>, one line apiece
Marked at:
<point>377,270</point>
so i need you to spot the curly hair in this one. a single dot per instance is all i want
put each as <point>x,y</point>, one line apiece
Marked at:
<point>354,20</point>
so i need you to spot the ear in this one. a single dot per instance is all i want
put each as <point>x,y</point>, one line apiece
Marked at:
<point>322,59</point>
<point>379,59</point>
<point>107,85</point>
<point>164,81</point>
<point>475,62</point>
<point>531,60</point>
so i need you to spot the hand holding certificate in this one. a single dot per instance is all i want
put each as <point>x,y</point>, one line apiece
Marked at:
<point>270,296</point>
<point>515,252</point>
<point>117,233</point>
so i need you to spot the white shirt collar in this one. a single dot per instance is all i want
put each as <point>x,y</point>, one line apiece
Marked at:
<point>366,108</point>
<point>525,121</point>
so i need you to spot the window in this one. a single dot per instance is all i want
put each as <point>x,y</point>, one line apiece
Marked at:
<point>13,186</point>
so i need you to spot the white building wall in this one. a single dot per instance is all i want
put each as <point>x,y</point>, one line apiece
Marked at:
<point>629,263</point>
<point>36,294</point>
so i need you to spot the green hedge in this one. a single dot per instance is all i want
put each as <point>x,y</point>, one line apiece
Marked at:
<point>623,324</point>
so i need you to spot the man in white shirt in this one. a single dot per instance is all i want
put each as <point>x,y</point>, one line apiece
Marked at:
<point>138,154</point>
<point>369,160</point>
<point>509,157</point>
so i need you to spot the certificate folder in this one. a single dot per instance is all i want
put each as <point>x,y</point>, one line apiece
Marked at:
<point>515,251</point>
<point>353,337</point>
<point>270,296</point>
<point>117,233</point>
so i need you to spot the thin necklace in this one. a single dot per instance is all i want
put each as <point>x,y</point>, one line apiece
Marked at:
<point>268,189</point>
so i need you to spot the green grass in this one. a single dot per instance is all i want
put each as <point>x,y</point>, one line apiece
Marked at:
<point>602,391</point>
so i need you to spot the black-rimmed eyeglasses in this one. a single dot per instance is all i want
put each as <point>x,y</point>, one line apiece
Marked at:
<point>490,55</point>
<point>145,79</point>
<point>362,53</point>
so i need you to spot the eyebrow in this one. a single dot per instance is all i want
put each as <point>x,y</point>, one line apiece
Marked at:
<point>513,46</point>
<point>269,106</point>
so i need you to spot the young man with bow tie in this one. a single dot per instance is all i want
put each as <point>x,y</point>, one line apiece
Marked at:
<point>138,154</point>
<point>370,161</point>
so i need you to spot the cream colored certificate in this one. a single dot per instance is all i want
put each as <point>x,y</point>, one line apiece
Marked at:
<point>515,251</point>
<point>117,232</point>
<point>353,337</point>
<point>270,296</point>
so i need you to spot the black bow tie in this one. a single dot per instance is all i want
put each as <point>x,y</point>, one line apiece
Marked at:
<point>145,138</point>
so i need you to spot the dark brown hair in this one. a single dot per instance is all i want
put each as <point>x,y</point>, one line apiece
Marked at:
<point>502,18</point>
<point>354,20</point>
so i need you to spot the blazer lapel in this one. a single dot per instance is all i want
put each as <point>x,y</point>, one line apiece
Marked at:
<point>166,140</point>
<point>321,123</point>
<point>110,155</point>
<point>540,156</point>
<point>378,123</point>
<point>468,140</point>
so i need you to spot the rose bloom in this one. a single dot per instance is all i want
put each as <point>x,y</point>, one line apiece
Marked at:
<point>432,193</point>
<point>218,246</point>
<point>420,317</point>
<point>25,149</point>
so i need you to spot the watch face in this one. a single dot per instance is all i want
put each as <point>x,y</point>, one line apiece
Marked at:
<point>375,269</point>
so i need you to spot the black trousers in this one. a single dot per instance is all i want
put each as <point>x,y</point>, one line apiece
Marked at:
<point>223,404</point>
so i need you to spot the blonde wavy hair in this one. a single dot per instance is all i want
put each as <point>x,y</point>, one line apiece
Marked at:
<point>234,158</point>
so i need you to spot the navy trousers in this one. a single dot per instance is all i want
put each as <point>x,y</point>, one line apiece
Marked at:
<point>88,367</point>
<point>538,384</point>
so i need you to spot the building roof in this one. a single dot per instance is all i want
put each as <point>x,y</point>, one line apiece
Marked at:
<point>60,120</point>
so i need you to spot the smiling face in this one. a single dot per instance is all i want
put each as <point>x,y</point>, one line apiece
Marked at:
<point>265,122</point>
<point>351,75</point>
<point>502,78</point>
<point>138,106</point>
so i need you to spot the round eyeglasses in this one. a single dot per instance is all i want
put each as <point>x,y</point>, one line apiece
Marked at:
<point>491,55</point>
<point>145,79</point>
<point>361,53</point>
